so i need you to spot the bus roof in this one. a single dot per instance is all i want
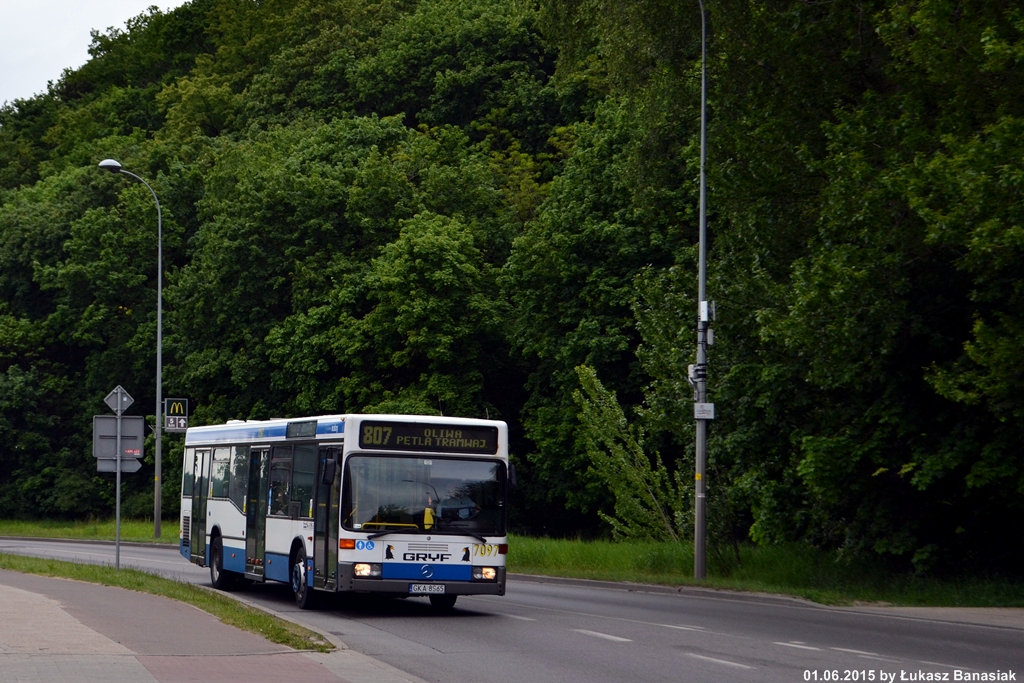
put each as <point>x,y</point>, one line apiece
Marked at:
<point>328,427</point>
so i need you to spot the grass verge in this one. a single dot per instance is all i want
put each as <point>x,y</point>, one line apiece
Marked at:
<point>224,608</point>
<point>795,570</point>
<point>134,530</point>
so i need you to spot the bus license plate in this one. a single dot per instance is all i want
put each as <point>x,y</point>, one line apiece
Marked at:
<point>425,588</point>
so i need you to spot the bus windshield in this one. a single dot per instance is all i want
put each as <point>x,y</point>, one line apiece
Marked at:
<point>392,493</point>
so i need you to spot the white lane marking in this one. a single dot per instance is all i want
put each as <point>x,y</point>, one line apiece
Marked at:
<point>497,600</point>
<point>856,652</point>
<point>880,659</point>
<point>948,666</point>
<point>516,616</point>
<point>602,635</point>
<point>681,628</point>
<point>802,647</point>
<point>719,661</point>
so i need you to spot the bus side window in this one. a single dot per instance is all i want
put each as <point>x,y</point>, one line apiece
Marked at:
<point>239,476</point>
<point>187,472</point>
<point>302,479</point>
<point>280,480</point>
<point>219,473</point>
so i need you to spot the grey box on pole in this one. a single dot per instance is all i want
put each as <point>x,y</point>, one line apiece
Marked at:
<point>104,436</point>
<point>704,411</point>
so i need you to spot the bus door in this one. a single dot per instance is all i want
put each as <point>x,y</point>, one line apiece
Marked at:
<point>256,513</point>
<point>200,490</point>
<point>325,522</point>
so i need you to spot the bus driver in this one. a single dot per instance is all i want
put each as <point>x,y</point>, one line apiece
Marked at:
<point>457,505</point>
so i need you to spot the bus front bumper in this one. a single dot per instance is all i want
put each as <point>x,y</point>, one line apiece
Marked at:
<point>348,582</point>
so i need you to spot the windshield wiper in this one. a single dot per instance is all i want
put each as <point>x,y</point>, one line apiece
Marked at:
<point>452,530</point>
<point>471,534</point>
<point>447,531</point>
<point>380,534</point>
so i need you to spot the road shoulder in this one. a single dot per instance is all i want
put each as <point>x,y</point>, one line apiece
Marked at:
<point>996,617</point>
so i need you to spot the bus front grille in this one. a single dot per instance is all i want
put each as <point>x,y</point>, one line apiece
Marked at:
<point>428,547</point>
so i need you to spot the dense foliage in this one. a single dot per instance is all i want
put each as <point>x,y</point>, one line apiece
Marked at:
<point>488,208</point>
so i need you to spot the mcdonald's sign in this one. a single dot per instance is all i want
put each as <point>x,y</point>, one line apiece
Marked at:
<point>175,414</point>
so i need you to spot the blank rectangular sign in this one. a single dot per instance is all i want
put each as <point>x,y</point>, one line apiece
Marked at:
<point>104,436</point>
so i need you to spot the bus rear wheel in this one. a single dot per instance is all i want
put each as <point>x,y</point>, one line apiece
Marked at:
<point>221,580</point>
<point>304,596</point>
<point>443,603</point>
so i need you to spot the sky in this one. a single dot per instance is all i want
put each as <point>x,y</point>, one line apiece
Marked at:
<point>41,38</point>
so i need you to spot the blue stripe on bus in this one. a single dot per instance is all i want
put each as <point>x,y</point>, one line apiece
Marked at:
<point>277,567</point>
<point>255,431</point>
<point>438,572</point>
<point>236,563</point>
<point>232,564</point>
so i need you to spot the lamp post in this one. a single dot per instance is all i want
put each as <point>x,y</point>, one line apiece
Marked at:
<point>699,373</point>
<point>115,167</point>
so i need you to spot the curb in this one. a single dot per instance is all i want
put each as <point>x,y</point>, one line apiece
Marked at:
<point>890,612</point>
<point>329,637</point>
<point>99,541</point>
<point>692,591</point>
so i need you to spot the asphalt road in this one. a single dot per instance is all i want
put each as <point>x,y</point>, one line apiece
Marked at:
<point>576,632</point>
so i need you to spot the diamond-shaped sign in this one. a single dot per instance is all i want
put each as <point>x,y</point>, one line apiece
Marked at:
<point>118,406</point>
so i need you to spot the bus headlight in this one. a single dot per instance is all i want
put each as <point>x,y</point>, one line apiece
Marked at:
<point>366,571</point>
<point>485,573</point>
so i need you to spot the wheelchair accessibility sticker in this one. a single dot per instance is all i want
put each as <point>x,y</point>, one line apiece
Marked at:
<point>364,545</point>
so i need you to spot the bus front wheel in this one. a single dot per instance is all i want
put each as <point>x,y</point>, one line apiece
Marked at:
<point>300,586</point>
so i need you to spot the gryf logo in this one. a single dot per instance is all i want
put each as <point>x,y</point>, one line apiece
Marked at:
<point>425,557</point>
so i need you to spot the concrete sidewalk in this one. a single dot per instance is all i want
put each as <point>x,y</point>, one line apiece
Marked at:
<point>62,630</point>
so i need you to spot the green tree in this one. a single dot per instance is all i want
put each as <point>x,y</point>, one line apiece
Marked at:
<point>649,503</point>
<point>570,279</point>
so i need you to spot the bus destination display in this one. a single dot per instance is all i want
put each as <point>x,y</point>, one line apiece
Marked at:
<point>432,438</point>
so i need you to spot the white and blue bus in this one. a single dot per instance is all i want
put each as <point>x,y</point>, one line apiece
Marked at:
<point>398,504</point>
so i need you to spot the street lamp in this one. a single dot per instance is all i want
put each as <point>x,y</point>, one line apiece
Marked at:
<point>115,167</point>
<point>698,373</point>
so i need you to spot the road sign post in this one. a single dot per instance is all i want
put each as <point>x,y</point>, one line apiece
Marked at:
<point>118,400</point>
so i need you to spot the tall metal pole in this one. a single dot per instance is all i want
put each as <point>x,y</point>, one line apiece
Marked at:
<point>700,510</point>
<point>117,497</point>
<point>115,167</point>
